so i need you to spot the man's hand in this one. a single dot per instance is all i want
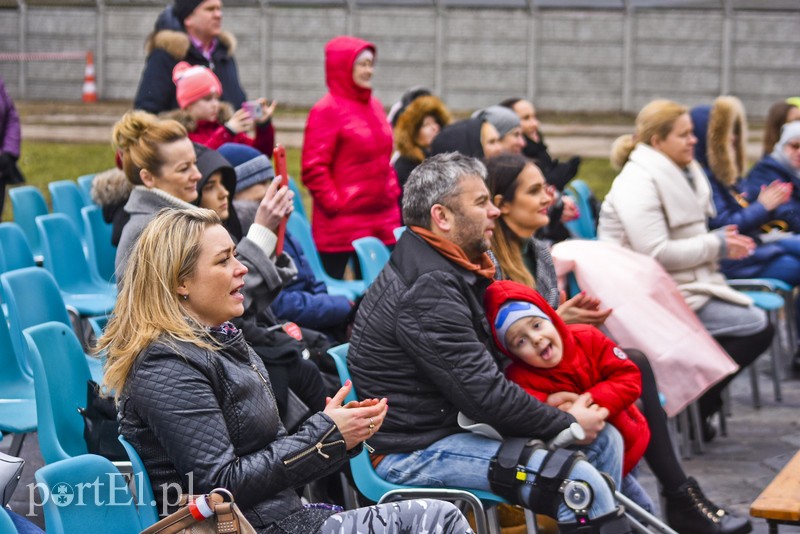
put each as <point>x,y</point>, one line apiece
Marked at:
<point>591,417</point>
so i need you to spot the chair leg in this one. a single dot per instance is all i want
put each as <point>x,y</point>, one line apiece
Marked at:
<point>774,354</point>
<point>697,426</point>
<point>723,416</point>
<point>754,385</point>
<point>685,443</point>
<point>16,444</point>
<point>530,522</point>
<point>493,519</point>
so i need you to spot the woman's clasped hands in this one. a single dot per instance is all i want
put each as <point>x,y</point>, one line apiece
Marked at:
<point>357,421</point>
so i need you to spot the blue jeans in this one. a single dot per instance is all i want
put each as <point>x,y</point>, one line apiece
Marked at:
<point>462,461</point>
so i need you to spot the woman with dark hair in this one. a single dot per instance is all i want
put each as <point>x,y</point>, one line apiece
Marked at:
<point>779,114</point>
<point>518,189</point>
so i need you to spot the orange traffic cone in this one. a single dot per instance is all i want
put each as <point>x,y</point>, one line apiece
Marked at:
<point>89,86</point>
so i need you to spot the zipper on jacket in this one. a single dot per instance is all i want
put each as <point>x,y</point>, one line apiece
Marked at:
<point>317,447</point>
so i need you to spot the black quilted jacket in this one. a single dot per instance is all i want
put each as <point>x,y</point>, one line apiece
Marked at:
<point>204,419</point>
<point>422,340</point>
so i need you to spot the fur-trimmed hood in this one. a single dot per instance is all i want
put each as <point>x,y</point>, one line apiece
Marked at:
<point>410,120</point>
<point>183,117</point>
<point>177,43</point>
<point>713,126</point>
<point>111,187</point>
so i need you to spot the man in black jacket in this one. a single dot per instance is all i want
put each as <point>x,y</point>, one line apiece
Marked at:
<point>421,339</point>
<point>191,31</point>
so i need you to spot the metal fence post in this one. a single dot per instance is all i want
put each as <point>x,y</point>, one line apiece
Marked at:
<point>726,60</point>
<point>627,57</point>
<point>100,48</point>
<point>265,37</point>
<point>438,50</point>
<point>533,50</point>
<point>23,47</point>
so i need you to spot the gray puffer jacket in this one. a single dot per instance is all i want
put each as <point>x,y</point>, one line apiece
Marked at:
<point>202,419</point>
<point>422,340</point>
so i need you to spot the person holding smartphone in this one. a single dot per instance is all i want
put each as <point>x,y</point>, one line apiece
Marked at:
<point>211,122</point>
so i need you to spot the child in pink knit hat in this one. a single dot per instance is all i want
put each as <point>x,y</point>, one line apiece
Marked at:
<point>211,122</point>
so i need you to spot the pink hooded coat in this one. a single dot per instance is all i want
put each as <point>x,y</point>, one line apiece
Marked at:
<point>346,157</point>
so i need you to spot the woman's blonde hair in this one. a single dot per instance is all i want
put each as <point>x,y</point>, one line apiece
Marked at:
<point>655,119</point>
<point>138,136</point>
<point>148,305</point>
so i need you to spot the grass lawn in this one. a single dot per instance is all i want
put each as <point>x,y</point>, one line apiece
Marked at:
<point>42,163</point>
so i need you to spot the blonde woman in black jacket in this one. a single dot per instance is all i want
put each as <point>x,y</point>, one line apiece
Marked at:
<point>196,402</point>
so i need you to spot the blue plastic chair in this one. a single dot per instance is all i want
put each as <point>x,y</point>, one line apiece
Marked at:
<point>65,259</point>
<point>28,204</point>
<point>106,504</point>
<point>372,256</point>
<point>398,232</point>
<point>33,298</point>
<point>15,251</point>
<point>145,498</point>
<point>379,490</point>
<point>67,199</point>
<point>85,184</point>
<point>60,374</point>
<point>582,227</point>
<point>17,397</point>
<point>299,208</point>
<point>98,242</point>
<point>301,230</point>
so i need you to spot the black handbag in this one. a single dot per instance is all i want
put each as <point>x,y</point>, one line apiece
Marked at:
<point>101,429</point>
<point>10,472</point>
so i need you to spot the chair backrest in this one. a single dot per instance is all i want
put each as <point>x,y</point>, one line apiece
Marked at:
<point>83,491</point>
<point>98,241</point>
<point>145,498</point>
<point>372,256</point>
<point>15,251</point>
<point>60,375</point>
<point>398,232</point>
<point>299,227</point>
<point>584,226</point>
<point>63,251</point>
<point>85,184</point>
<point>32,297</point>
<point>298,198</point>
<point>15,383</point>
<point>68,199</point>
<point>28,204</point>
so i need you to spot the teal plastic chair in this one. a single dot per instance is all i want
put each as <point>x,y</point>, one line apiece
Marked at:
<point>299,208</point>
<point>583,227</point>
<point>372,256</point>
<point>60,374</point>
<point>398,232</point>
<point>15,251</point>
<point>85,185</point>
<point>33,298</point>
<point>379,490</point>
<point>6,524</point>
<point>301,230</point>
<point>17,397</point>
<point>770,303</point>
<point>98,243</point>
<point>28,204</point>
<point>145,498</point>
<point>106,504</point>
<point>64,258</point>
<point>67,198</point>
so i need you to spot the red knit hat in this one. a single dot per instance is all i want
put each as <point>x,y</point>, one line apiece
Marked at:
<point>194,82</point>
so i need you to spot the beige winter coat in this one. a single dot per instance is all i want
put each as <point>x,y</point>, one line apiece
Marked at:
<point>652,209</point>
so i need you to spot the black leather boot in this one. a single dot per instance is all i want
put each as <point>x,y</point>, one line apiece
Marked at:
<point>689,511</point>
<point>613,523</point>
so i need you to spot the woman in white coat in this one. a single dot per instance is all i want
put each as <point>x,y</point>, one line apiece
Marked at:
<point>658,205</point>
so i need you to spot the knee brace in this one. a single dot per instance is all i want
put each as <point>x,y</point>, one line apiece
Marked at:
<point>549,487</point>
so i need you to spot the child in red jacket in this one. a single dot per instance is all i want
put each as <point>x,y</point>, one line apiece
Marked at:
<point>211,122</point>
<point>556,362</point>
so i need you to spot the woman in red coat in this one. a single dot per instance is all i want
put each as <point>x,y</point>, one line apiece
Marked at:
<point>346,157</point>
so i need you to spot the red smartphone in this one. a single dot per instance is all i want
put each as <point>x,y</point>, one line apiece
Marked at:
<point>279,159</point>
